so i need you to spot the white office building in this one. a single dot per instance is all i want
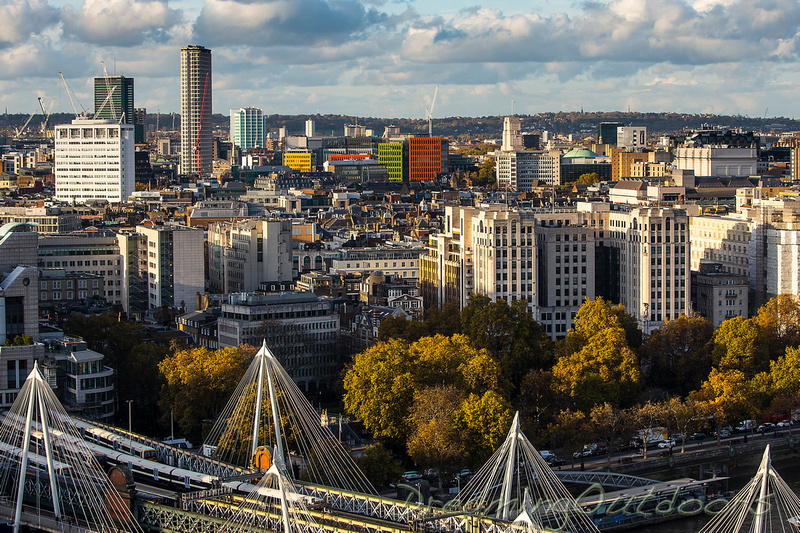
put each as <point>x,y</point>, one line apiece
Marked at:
<point>94,161</point>
<point>247,128</point>
<point>522,171</point>
<point>631,137</point>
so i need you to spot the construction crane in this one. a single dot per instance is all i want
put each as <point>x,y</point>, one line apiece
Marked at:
<point>429,113</point>
<point>761,128</point>
<point>69,95</point>
<point>46,114</point>
<point>21,130</point>
<point>109,89</point>
<point>108,97</point>
<point>200,125</point>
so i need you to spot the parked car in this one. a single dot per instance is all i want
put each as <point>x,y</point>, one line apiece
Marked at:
<point>723,433</point>
<point>555,461</point>
<point>666,443</point>
<point>411,475</point>
<point>585,452</point>
<point>784,424</point>
<point>766,427</point>
<point>697,436</point>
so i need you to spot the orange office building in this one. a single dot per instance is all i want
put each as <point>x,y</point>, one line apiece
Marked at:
<point>427,157</point>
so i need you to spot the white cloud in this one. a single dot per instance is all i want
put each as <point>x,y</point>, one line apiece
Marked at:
<point>120,22</point>
<point>21,18</point>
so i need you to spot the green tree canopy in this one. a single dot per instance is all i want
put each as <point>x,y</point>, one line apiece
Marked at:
<point>379,466</point>
<point>677,356</point>
<point>483,422</point>
<point>510,334</point>
<point>383,380</point>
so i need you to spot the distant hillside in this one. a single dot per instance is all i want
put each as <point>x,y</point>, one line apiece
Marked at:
<point>471,127</point>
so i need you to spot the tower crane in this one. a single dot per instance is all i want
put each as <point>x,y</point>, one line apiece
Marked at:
<point>200,125</point>
<point>46,114</point>
<point>109,89</point>
<point>108,97</point>
<point>21,130</point>
<point>69,94</point>
<point>429,113</point>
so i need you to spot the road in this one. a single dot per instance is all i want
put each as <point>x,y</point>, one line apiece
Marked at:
<point>691,446</point>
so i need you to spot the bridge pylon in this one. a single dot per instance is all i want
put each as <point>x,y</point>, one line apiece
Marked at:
<point>517,484</point>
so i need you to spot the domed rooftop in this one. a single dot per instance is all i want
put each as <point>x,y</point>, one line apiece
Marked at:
<point>580,152</point>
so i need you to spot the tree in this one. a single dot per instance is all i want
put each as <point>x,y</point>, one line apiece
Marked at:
<point>199,382</point>
<point>539,400</point>
<point>486,174</point>
<point>677,356</point>
<point>483,421</point>
<point>726,395</point>
<point>382,382</point>
<point>604,369</point>
<point>380,388</point>
<point>379,466</point>
<point>682,416</point>
<point>648,416</point>
<point>738,345</point>
<point>510,334</point>
<point>779,322</point>
<point>612,426</point>
<point>588,179</point>
<point>444,320</point>
<point>569,430</point>
<point>434,442</point>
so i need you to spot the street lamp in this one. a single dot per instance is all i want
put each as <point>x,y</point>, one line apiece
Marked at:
<point>130,430</point>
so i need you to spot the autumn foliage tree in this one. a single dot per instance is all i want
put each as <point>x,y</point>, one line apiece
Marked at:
<point>597,365</point>
<point>199,382</point>
<point>381,383</point>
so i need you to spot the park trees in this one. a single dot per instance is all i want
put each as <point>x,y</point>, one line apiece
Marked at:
<point>597,365</point>
<point>199,382</point>
<point>779,322</point>
<point>482,421</point>
<point>379,466</point>
<point>510,334</point>
<point>677,356</point>
<point>382,382</point>
<point>434,441</point>
<point>739,345</point>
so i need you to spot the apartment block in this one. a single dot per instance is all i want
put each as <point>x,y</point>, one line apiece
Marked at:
<point>427,158</point>
<point>243,254</point>
<point>555,259</point>
<point>169,263</point>
<point>94,253</point>
<point>719,295</point>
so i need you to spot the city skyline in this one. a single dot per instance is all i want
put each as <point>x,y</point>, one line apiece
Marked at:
<point>368,58</point>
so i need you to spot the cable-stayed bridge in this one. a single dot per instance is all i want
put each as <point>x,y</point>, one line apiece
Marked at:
<point>303,481</point>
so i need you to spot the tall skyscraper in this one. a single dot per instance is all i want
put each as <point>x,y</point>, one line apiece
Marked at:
<point>310,128</point>
<point>247,128</point>
<point>196,137</point>
<point>120,105</point>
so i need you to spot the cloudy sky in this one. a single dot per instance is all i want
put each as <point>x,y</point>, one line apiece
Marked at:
<point>384,57</point>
